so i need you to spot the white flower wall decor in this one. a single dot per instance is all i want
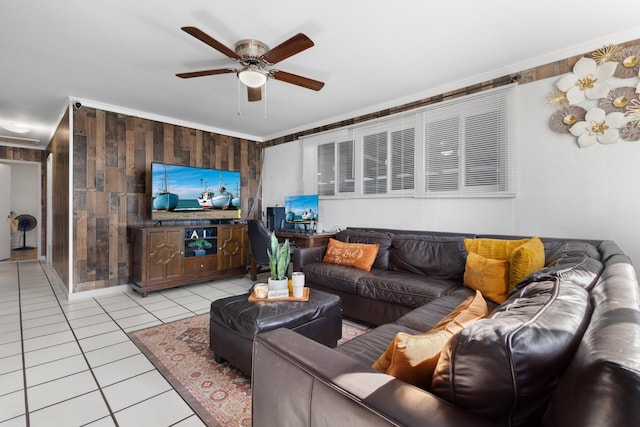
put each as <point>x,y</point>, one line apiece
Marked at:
<point>599,101</point>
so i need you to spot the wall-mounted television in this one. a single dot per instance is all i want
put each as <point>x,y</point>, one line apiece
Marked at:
<point>301,209</point>
<point>192,193</point>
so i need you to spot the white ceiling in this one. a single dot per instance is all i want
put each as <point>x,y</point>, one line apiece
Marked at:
<point>123,55</point>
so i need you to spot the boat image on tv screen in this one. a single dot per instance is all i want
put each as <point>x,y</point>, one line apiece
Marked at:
<point>186,192</point>
<point>301,209</point>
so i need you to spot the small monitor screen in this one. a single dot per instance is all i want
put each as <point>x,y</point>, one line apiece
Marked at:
<point>301,209</point>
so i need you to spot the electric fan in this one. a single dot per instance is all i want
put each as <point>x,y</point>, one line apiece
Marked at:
<point>25,223</point>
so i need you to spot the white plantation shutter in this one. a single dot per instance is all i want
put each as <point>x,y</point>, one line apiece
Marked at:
<point>442,146</point>
<point>468,145</point>
<point>346,178</point>
<point>326,177</point>
<point>374,163</point>
<point>402,159</point>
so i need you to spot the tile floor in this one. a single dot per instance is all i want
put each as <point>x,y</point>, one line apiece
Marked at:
<point>70,363</point>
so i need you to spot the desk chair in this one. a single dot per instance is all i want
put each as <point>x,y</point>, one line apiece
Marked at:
<point>260,241</point>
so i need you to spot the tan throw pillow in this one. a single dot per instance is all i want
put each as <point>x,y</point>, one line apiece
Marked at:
<point>413,358</point>
<point>489,276</point>
<point>493,248</point>
<point>525,259</point>
<point>358,255</point>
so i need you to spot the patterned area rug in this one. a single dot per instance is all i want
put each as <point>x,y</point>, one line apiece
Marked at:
<point>218,393</point>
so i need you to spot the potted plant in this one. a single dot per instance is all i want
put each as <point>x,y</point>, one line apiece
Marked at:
<point>200,246</point>
<point>279,256</point>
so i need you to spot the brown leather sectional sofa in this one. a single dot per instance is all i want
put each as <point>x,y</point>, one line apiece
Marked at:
<point>562,350</point>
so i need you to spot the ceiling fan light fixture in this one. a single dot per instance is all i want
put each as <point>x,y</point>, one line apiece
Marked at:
<point>15,128</point>
<point>252,76</point>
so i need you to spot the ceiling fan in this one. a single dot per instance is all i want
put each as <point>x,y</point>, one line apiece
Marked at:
<point>255,56</point>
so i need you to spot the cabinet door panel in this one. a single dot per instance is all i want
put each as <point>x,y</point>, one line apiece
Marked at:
<point>231,247</point>
<point>165,255</point>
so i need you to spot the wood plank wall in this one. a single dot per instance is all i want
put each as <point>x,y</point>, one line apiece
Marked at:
<point>112,155</point>
<point>59,149</point>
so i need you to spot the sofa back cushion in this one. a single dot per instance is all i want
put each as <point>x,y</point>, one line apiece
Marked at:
<point>505,367</point>
<point>602,383</point>
<point>577,262</point>
<point>382,239</point>
<point>437,256</point>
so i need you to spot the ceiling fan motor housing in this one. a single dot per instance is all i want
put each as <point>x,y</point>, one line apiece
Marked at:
<point>251,51</point>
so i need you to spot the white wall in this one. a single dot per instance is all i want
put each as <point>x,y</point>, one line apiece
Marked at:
<point>563,191</point>
<point>283,174</point>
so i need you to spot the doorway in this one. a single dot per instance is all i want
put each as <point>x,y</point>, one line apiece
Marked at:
<point>25,198</point>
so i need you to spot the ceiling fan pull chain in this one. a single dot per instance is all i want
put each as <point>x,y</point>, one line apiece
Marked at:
<point>239,90</point>
<point>265,98</point>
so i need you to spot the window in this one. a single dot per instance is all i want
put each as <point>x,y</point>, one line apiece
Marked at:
<point>335,157</point>
<point>464,147</point>
<point>467,145</point>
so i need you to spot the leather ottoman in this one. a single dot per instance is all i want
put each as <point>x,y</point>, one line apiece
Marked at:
<point>234,322</point>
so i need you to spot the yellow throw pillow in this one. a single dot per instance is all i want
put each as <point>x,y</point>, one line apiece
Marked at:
<point>413,358</point>
<point>489,276</point>
<point>358,255</point>
<point>493,248</point>
<point>525,259</point>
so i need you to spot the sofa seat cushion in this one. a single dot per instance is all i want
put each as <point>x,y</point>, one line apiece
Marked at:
<point>333,276</point>
<point>368,347</point>
<point>427,316</point>
<point>434,256</point>
<point>505,367</point>
<point>403,288</point>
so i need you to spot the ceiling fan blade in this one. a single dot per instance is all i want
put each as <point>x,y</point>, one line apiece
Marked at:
<point>254,93</point>
<point>295,44</point>
<point>206,38</point>
<point>297,80</point>
<point>205,73</point>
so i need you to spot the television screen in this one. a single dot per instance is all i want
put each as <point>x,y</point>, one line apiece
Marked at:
<point>190,193</point>
<point>301,209</point>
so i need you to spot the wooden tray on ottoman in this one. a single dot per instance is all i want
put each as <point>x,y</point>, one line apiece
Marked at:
<point>303,298</point>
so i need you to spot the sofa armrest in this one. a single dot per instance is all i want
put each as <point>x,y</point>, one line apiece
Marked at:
<point>298,382</point>
<point>302,256</point>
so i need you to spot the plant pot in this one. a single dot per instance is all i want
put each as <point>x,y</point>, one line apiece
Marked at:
<point>275,284</point>
<point>200,252</point>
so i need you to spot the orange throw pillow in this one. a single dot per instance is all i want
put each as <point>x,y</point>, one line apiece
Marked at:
<point>413,358</point>
<point>358,255</point>
<point>489,276</point>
